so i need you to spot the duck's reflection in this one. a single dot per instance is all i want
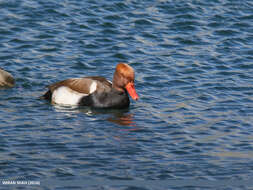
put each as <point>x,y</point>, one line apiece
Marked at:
<point>120,117</point>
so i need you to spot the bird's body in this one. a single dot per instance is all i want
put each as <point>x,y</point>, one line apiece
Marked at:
<point>6,79</point>
<point>95,91</point>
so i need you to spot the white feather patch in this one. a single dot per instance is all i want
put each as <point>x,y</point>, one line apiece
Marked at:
<point>65,96</point>
<point>93,87</point>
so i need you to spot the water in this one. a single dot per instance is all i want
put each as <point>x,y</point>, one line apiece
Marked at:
<point>193,63</point>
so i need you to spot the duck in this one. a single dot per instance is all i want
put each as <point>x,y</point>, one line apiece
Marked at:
<point>6,79</point>
<point>96,91</point>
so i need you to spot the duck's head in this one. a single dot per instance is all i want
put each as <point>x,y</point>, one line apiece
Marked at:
<point>123,79</point>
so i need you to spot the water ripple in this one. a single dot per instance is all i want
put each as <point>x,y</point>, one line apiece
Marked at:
<point>193,63</point>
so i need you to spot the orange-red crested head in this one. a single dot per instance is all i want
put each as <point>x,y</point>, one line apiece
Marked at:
<point>125,70</point>
<point>124,79</point>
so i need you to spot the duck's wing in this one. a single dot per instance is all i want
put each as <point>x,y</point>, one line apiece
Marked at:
<point>85,85</point>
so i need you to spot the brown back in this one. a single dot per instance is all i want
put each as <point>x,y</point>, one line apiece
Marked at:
<point>82,85</point>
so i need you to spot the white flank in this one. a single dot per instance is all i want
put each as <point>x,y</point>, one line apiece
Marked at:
<point>93,87</point>
<point>65,96</point>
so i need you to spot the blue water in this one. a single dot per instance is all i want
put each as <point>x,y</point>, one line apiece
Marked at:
<point>193,61</point>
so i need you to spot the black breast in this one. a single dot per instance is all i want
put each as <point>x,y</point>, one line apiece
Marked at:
<point>112,99</point>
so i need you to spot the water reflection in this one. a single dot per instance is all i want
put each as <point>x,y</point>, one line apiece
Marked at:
<point>120,117</point>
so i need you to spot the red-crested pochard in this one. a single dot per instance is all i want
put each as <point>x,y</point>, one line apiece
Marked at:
<point>95,91</point>
<point>6,79</point>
